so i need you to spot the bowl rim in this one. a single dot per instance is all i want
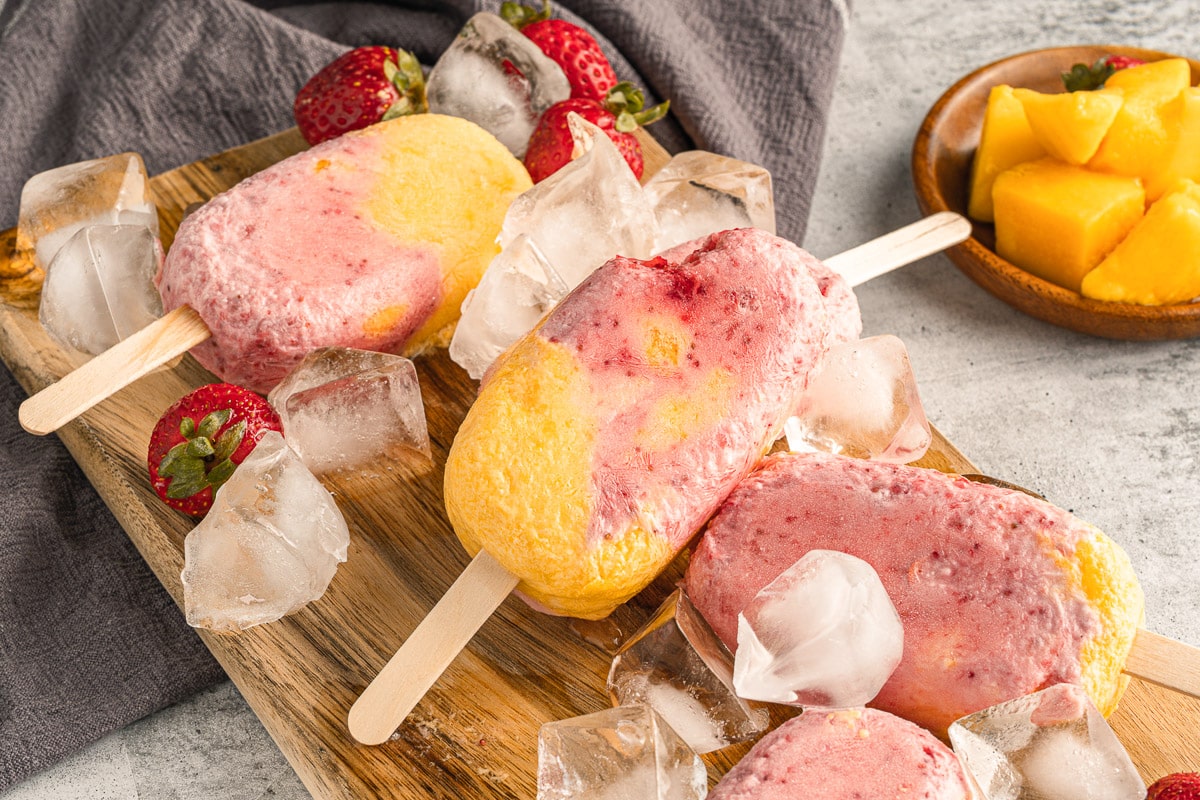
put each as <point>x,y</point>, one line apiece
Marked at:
<point>1027,292</point>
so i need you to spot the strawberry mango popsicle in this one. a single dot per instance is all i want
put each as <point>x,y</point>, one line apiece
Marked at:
<point>369,241</point>
<point>845,755</point>
<point>602,440</point>
<point>1000,594</point>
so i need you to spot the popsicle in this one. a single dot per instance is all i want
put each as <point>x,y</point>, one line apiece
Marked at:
<point>603,439</point>
<point>1000,593</point>
<point>370,241</point>
<point>844,755</point>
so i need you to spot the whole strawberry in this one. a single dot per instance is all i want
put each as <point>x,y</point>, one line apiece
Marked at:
<point>1083,78</point>
<point>620,114</point>
<point>199,441</point>
<point>1177,786</point>
<point>361,87</point>
<point>568,45</point>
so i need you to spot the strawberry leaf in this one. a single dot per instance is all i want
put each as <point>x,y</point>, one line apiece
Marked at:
<point>1083,78</point>
<point>199,448</point>
<point>229,441</point>
<point>519,15</point>
<point>213,421</point>
<point>221,473</point>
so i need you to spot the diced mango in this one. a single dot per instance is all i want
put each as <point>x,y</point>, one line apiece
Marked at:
<point>1158,263</point>
<point>1058,221</point>
<point>1140,139</point>
<point>1070,125</point>
<point>1004,142</point>
<point>1182,159</point>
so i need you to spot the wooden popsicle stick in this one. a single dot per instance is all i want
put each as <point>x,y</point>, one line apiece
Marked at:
<point>157,344</point>
<point>925,237</point>
<point>428,651</point>
<point>1164,661</point>
<point>484,584</point>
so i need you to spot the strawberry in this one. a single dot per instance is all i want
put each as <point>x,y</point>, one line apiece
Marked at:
<point>568,45</point>
<point>621,113</point>
<point>1085,78</point>
<point>361,87</point>
<point>1177,786</point>
<point>199,441</point>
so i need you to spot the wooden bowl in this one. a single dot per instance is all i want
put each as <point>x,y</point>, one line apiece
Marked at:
<point>941,164</point>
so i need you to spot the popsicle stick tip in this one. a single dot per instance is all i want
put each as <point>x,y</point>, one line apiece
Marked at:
<point>1165,662</point>
<point>429,649</point>
<point>155,345</point>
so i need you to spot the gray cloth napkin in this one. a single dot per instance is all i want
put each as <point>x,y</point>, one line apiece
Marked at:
<point>89,641</point>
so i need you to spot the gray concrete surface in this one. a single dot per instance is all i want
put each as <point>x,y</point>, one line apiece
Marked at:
<point>1110,430</point>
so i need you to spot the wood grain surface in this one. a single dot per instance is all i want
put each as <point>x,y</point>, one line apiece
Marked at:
<point>475,734</point>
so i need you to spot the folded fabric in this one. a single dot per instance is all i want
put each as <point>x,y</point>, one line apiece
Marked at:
<point>89,641</point>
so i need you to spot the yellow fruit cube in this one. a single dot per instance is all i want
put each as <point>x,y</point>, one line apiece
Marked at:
<point>1182,157</point>
<point>1059,221</point>
<point>1004,142</point>
<point>1158,263</point>
<point>1140,138</point>
<point>1070,125</point>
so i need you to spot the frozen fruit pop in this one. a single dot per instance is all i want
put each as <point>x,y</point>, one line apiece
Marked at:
<point>1000,593</point>
<point>369,241</point>
<point>701,386</point>
<point>844,755</point>
<point>603,439</point>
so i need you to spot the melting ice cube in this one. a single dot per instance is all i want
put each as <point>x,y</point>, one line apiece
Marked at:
<point>104,191</point>
<point>1049,745</point>
<point>863,402</point>
<point>495,76</point>
<point>698,193</point>
<point>589,211</point>
<point>554,236</point>
<point>99,287</point>
<point>269,545</point>
<point>342,408</point>
<point>618,754</point>
<point>516,290</point>
<point>678,666</point>
<point>822,634</point>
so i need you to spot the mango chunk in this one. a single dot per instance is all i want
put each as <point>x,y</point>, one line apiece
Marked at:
<point>1140,139</point>
<point>1070,125</point>
<point>1004,142</point>
<point>1058,221</point>
<point>1158,263</point>
<point>1182,157</point>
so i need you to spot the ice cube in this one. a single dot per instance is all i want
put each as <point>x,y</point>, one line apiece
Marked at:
<point>698,193</point>
<point>343,408</point>
<point>862,402</point>
<point>617,754</point>
<point>1049,745</point>
<point>516,290</point>
<point>99,287</point>
<point>589,211</point>
<point>495,76</point>
<point>104,191</point>
<point>269,545</point>
<point>823,634</point>
<point>678,666</point>
<point>554,236</point>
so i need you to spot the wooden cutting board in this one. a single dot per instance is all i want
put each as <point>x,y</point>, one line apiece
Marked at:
<point>475,734</point>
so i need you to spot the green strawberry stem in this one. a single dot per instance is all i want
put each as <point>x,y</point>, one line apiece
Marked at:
<point>519,15</point>
<point>1083,78</point>
<point>626,102</point>
<point>408,78</point>
<point>203,459</point>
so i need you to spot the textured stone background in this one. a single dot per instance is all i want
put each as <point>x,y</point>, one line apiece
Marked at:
<point>1110,430</point>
